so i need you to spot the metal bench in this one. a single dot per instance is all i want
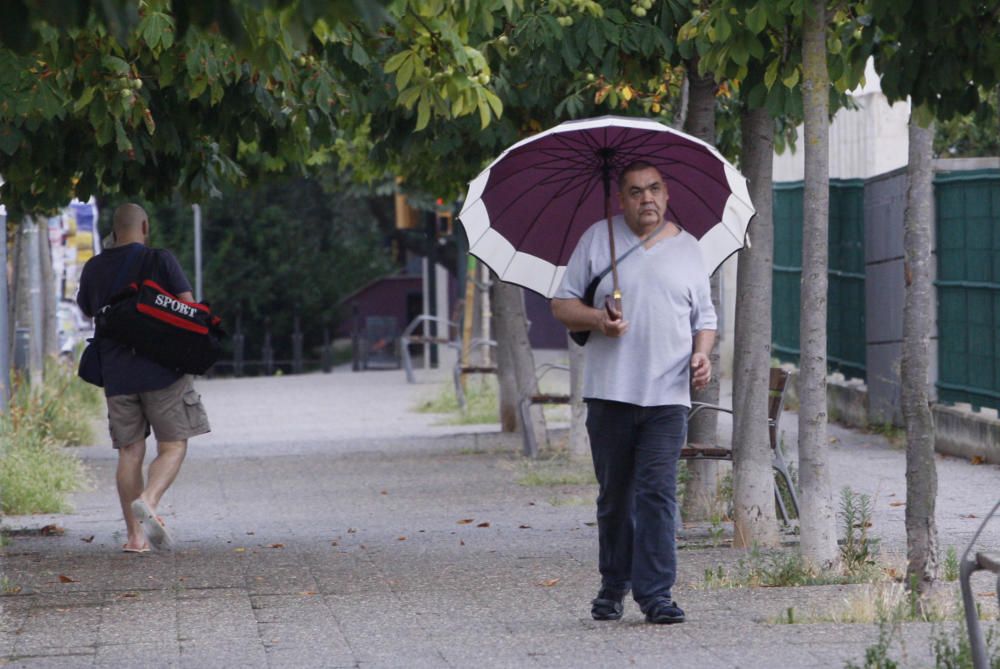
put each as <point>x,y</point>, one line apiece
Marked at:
<point>530,441</point>
<point>775,405</point>
<point>408,337</point>
<point>979,561</point>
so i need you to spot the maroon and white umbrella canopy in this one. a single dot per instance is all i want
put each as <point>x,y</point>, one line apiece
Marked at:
<point>524,213</point>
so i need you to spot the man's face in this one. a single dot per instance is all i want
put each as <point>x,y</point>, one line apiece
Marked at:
<point>644,199</point>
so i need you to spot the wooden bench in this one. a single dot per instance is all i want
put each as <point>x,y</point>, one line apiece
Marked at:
<point>775,405</point>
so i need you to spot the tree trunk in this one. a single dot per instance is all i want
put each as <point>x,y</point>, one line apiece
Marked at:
<point>512,333</point>
<point>818,520</point>
<point>921,471</point>
<point>700,492</point>
<point>753,481</point>
<point>506,375</point>
<point>50,301</point>
<point>579,440</point>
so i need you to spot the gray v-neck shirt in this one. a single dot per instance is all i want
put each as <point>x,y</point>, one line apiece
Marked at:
<point>665,298</point>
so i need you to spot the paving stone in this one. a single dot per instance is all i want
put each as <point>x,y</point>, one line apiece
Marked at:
<point>319,526</point>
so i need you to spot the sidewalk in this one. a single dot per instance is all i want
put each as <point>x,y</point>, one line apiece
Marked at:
<point>324,523</point>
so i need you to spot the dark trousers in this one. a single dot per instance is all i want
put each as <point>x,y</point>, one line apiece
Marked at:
<point>636,450</point>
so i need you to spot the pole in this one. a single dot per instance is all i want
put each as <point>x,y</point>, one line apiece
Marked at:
<point>431,228</point>
<point>35,357</point>
<point>196,208</point>
<point>4,318</point>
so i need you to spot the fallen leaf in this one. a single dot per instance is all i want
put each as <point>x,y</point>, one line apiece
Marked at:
<point>128,595</point>
<point>897,503</point>
<point>334,543</point>
<point>466,521</point>
<point>384,492</point>
<point>250,533</point>
<point>52,531</point>
<point>987,593</point>
<point>524,527</point>
<point>87,540</point>
<point>66,579</point>
<point>591,523</point>
<point>461,542</point>
<point>967,515</point>
<point>483,524</point>
<point>531,504</point>
<point>977,460</point>
<point>401,539</point>
<point>834,440</point>
<point>308,593</point>
<point>276,545</point>
<point>239,550</point>
<point>549,582</point>
<point>352,530</point>
<point>12,589</point>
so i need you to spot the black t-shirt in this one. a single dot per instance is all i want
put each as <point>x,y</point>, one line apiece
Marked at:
<point>125,372</point>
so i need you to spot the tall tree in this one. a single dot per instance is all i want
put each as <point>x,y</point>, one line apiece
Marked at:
<point>941,56</point>
<point>818,520</point>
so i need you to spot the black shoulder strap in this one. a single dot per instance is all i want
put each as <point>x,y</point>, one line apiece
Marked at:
<point>631,250</point>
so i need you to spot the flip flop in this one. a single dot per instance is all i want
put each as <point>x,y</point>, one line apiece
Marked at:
<point>151,523</point>
<point>126,549</point>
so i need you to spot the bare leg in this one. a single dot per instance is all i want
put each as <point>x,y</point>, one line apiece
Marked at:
<point>130,485</point>
<point>163,470</point>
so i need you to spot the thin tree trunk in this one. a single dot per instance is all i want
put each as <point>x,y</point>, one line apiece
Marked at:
<point>753,481</point>
<point>818,519</point>
<point>50,301</point>
<point>921,471</point>
<point>700,492</point>
<point>579,440</point>
<point>512,332</point>
<point>506,374</point>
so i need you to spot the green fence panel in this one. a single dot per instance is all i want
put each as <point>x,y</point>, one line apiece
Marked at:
<point>846,276</point>
<point>968,286</point>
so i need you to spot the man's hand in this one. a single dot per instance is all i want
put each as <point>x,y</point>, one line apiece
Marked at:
<point>612,323</point>
<point>701,370</point>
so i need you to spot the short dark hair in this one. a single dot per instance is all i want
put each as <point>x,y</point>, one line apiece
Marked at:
<point>635,166</point>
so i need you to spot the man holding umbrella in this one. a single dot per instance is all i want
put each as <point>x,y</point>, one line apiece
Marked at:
<point>639,371</point>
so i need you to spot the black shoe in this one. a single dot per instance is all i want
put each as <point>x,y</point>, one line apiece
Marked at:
<point>664,612</point>
<point>608,605</point>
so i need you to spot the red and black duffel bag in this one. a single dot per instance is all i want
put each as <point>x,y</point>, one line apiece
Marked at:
<point>182,336</point>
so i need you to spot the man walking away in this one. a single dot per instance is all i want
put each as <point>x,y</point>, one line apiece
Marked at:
<point>637,382</point>
<point>141,394</point>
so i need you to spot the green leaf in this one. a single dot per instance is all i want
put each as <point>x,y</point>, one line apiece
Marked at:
<point>122,142</point>
<point>792,79</point>
<point>495,104</point>
<point>423,112</point>
<point>396,61</point>
<point>771,74</point>
<point>85,98</point>
<point>756,18</point>
<point>405,73</point>
<point>409,96</point>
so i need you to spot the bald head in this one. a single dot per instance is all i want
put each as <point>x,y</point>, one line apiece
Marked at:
<point>130,224</point>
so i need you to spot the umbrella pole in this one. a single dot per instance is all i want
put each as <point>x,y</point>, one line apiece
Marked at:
<point>616,293</point>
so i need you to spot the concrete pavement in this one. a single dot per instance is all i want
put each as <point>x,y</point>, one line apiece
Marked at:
<point>324,523</point>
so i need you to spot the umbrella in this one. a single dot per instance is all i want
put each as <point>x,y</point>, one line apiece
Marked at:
<point>524,214</point>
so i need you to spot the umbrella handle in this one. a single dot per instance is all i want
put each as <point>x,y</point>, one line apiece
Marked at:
<point>613,305</point>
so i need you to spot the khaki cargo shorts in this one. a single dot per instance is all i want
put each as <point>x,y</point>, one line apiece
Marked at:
<point>174,413</point>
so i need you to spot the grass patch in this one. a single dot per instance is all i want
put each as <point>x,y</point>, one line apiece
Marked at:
<point>895,435</point>
<point>36,472</point>
<point>570,500</point>
<point>482,403</point>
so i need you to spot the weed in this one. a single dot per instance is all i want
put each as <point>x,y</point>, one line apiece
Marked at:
<point>481,403</point>
<point>36,472</point>
<point>950,566</point>
<point>895,435</point>
<point>7,587</point>
<point>770,570</point>
<point>877,655</point>
<point>953,650</point>
<point>859,549</point>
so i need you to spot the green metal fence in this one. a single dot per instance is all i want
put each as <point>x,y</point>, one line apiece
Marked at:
<point>846,293</point>
<point>968,286</point>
